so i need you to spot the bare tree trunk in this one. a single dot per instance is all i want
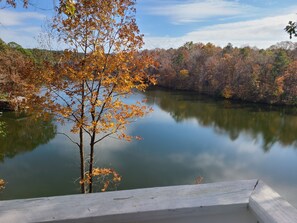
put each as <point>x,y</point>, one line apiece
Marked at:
<point>92,145</point>
<point>82,162</point>
<point>81,144</point>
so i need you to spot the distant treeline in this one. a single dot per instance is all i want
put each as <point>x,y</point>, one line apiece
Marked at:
<point>249,74</point>
<point>16,63</point>
<point>36,55</point>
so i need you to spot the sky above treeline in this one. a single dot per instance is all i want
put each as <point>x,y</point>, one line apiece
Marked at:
<point>171,23</point>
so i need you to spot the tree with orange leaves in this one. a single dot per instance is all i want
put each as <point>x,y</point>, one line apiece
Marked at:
<point>101,67</point>
<point>13,3</point>
<point>2,184</point>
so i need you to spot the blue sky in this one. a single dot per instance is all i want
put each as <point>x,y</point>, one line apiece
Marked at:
<point>171,23</point>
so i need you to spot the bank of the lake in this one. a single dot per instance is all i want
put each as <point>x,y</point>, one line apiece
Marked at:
<point>186,136</point>
<point>248,74</point>
<point>5,106</point>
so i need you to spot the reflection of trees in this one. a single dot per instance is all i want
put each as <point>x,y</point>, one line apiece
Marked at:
<point>23,134</point>
<point>274,124</point>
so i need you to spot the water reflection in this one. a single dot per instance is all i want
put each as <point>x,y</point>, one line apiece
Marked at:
<point>185,137</point>
<point>23,133</point>
<point>272,124</point>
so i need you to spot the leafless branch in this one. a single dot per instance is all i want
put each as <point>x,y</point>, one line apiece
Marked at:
<point>61,133</point>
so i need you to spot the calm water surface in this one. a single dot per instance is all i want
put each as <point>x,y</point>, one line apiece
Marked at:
<point>186,136</point>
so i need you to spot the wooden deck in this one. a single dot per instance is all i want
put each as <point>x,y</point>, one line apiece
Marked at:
<point>248,201</point>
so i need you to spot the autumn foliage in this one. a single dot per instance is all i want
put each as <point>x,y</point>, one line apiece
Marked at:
<point>93,77</point>
<point>13,3</point>
<point>248,74</point>
<point>16,73</point>
<point>2,184</point>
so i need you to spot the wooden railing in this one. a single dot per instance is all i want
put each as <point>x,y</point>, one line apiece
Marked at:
<point>247,201</point>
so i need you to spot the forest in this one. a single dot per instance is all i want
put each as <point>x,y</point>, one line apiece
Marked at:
<point>248,74</point>
<point>16,66</point>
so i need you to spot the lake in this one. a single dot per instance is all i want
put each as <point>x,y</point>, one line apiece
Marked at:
<point>187,136</point>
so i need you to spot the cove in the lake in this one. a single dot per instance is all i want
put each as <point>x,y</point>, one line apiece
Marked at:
<point>186,136</point>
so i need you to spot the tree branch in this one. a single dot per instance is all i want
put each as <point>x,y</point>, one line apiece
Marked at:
<point>61,133</point>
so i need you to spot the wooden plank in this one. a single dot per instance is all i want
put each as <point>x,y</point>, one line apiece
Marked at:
<point>141,203</point>
<point>270,207</point>
<point>218,214</point>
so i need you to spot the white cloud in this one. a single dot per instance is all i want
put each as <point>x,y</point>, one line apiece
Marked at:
<point>262,33</point>
<point>23,36</point>
<point>269,28</point>
<point>13,18</point>
<point>195,10</point>
<point>165,42</point>
<point>19,27</point>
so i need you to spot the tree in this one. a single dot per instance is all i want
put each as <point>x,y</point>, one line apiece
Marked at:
<point>280,63</point>
<point>101,67</point>
<point>288,83</point>
<point>2,184</point>
<point>13,3</point>
<point>291,29</point>
<point>16,74</point>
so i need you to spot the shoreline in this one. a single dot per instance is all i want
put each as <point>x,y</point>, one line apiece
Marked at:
<point>5,106</point>
<point>218,97</point>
